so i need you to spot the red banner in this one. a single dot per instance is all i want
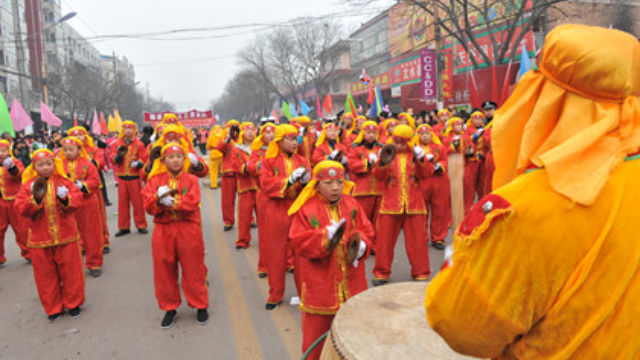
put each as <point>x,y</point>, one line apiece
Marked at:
<point>192,118</point>
<point>447,76</point>
<point>358,88</point>
<point>406,72</point>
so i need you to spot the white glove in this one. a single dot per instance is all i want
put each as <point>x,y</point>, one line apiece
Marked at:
<point>31,186</point>
<point>8,162</point>
<point>373,158</point>
<point>331,229</point>
<point>135,164</point>
<point>479,132</point>
<point>343,161</point>
<point>301,131</point>
<point>167,201</point>
<point>456,138</point>
<point>361,250</point>
<point>334,154</point>
<point>193,159</point>
<point>79,185</point>
<point>62,192</point>
<point>429,157</point>
<point>163,190</point>
<point>296,175</point>
<point>306,178</point>
<point>418,151</point>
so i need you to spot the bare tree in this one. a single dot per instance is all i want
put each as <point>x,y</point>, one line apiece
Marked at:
<point>245,97</point>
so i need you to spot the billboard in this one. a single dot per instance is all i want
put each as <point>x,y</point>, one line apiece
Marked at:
<point>192,118</point>
<point>410,28</point>
<point>428,83</point>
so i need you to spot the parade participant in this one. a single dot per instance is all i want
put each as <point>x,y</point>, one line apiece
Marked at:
<point>362,158</point>
<point>97,158</point>
<point>436,187</point>
<point>283,174</point>
<point>172,196</point>
<point>175,134</point>
<point>129,158</point>
<point>407,119</point>
<point>457,142</point>
<point>306,138</point>
<point>247,184</point>
<point>489,165</point>
<point>215,156</point>
<point>488,109</point>
<point>386,131</point>
<point>47,200</point>
<point>10,181</point>
<point>203,134</point>
<point>475,130</point>
<point>84,175</point>
<point>347,126</point>
<point>443,117</point>
<point>228,183</point>
<point>258,152</point>
<point>402,208</point>
<point>328,275</point>
<point>329,147</point>
<point>567,168</point>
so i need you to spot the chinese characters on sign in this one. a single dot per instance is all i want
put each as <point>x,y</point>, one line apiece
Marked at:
<point>406,72</point>
<point>447,75</point>
<point>358,88</point>
<point>428,84</point>
<point>191,118</point>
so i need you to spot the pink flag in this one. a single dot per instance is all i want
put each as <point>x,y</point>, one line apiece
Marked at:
<point>19,117</point>
<point>95,126</point>
<point>48,116</point>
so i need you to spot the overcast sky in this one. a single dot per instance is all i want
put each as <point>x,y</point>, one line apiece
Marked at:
<point>191,79</point>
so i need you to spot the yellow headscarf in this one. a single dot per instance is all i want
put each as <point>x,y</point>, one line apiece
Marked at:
<point>578,115</point>
<point>257,142</point>
<point>386,123</point>
<point>82,152</point>
<point>367,123</point>
<point>7,144</point>
<point>245,125</point>
<point>323,169</point>
<point>303,120</point>
<point>159,167</point>
<point>410,119</point>
<point>88,142</point>
<point>450,123</point>
<point>31,173</point>
<point>434,138</point>
<point>323,134</point>
<point>281,131</point>
<point>403,131</point>
<point>172,129</point>
<point>129,123</point>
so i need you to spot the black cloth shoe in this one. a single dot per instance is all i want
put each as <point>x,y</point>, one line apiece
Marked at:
<point>143,231</point>
<point>122,232</point>
<point>378,282</point>
<point>106,250</point>
<point>95,273</point>
<point>240,247</point>
<point>262,275</point>
<point>271,306</point>
<point>54,317</point>
<point>169,319</point>
<point>438,245</point>
<point>228,227</point>
<point>108,203</point>
<point>75,312</point>
<point>202,316</point>
<point>254,225</point>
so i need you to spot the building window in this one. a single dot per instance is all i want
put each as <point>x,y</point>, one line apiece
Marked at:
<point>2,62</point>
<point>51,37</point>
<point>3,84</point>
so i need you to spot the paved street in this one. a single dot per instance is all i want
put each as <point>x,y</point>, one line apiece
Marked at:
<point>121,318</point>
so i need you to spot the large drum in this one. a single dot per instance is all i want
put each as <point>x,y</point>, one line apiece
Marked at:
<point>386,322</point>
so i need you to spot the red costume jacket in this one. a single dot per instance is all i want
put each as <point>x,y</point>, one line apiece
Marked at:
<point>10,182</point>
<point>402,192</point>
<point>308,144</point>
<point>136,151</point>
<point>84,171</point>
<point>464,145</point>
<point>97,155</point>
<point>323,151</point>
<point>477,141</point>
<point>439,129</point>
<point>327,281</point>
<point>274,176</point>
<point>361,171</point>
<point>254,165</point>
<point>228,166</point>
<point>52,222</point>
<point>239,161</point>
<point>186,206</point>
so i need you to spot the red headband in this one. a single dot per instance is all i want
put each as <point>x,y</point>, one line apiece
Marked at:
<point>424,129</point>
<point>128,126</point>
<point>400,140</point>
<point>68,141</point>
<point>330,173</point>
<point>175,149</point>
<point>172,136</point>
<point>291,136</point>
<point>44,155</point>
<point>269,128</point>
<point>77,132</point>
<point>370,127</point>
<point>331,126</point>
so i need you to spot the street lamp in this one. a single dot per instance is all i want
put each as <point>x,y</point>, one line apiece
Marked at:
<point>43,66</point>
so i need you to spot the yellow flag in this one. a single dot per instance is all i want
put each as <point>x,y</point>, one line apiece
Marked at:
<point>111,124</point>
<point>118,120</point>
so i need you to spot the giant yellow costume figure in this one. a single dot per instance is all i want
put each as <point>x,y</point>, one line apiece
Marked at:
<point>215,156</point>
<point>548,265</point>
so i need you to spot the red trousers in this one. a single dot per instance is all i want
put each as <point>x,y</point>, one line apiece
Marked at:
<point>129,192</point>
<point>389,227</point>
<point>103,219</point>
<point>173,243</point>
<point>370,204</point>
<point>486,175</point>
<point>90,232</point>
<point>277,246</point>
<point>228,198</point>
<point>471,184</point>
<point>58,274</point>
<point>261,200</point>
<point>313,326</point>
<point>246,207</point>
<point>436,197</point>
<point>9,216</point>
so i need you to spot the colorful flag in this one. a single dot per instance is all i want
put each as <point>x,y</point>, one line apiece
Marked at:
<point>275,116</point>
<point>376,106</point>
<point>304,108</point>
<point>285,110</point>
<point>328,104</point>
<point>75,121</point>
<point>116,115</point>
<point>319,113</point>
<point>95,124</point>
<point>525,62</point>
<point>5,118</point>
<point>48,116</point>
<point>293,111</point>
<point>104,129</point>
<point>372,95</point>
<point>19,116</point>
<point>111,125</point>
<point>350,105</point>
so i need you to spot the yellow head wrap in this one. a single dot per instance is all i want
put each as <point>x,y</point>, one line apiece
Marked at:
<point>7,144</point>
<point>128,123</point>
<point>402,131</point>
<point>31,173</point>
<point>410,119</point>
<point>245,125</point>
<point>159,167</point>
<point>75,141</point>
<point>578,115</point>
<point>257,142</point>
<point>434,138</point>
<point>303,120</point>
<point>76,129</point>
<point>172,129</point>
<point>323,134</point>
<point>366,124</point>
<point>450,123</point>
<point>323,169</point>
<point>281,132</point>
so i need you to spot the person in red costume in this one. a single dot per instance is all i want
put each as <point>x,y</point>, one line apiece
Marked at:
<point>475,130</point>
<point>53,234</point>
<point>402,207</point>
<point>247,184</point>
<point>443,117</point>
<point>329,147</point>
<point>283,174</point>
<point>435,188</point>
<point>10,181</point>
<point>386,130</point>
<point>84,175</point>
<point>328,276</point>
<point>174,134</point>
<point>228,182</point>
<point>172,196</point>
<point>306,137</point>
<point>457,142</point>
<point>127,167</point>
<point>347,127</point>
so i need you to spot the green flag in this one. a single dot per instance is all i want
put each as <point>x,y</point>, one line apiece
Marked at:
<point>350,105</point>
<point>286,111</point>
<point>5,119</point>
